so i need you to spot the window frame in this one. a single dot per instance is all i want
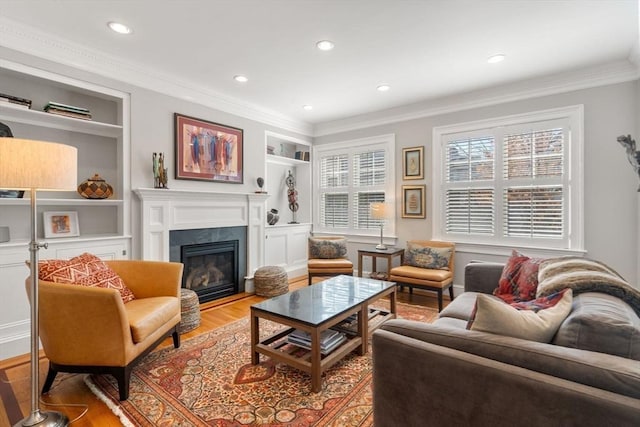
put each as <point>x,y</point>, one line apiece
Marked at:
<point>350,148</point>
<point>572,180</point>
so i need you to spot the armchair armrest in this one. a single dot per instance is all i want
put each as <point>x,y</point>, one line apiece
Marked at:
<point>77,321</point>
<point>150,278</point>
<point>482,276</point>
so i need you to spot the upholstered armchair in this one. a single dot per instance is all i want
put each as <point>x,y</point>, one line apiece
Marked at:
<point>427,265</point>
<point>91,330</point>
<point>328,257</point>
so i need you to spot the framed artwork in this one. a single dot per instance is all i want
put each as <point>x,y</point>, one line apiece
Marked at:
<point>61,224</point>
<point>413,201</point>
<point>208,151</point>
<point>413,163</point>
<point>11,194</point>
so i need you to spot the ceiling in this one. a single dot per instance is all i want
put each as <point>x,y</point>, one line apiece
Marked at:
<point>424,50</point>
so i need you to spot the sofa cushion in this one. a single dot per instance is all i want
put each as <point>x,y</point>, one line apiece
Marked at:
<point>604,371</point>
<point>147,315</point>
<point>417,255</point>
<point>327,248</point>
<point>519,279</point>
<point>462,306</point>
<point>601,322</point>
<point>497,317</point>
<point>86,270</point>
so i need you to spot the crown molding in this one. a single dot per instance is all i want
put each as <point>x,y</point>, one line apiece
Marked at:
<point>34,42</point>
<point>612,73</point>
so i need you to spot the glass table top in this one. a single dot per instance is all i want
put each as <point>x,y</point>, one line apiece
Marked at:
<point>324,300</point>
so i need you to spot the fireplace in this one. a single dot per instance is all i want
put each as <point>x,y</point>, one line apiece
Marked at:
<point>211,269</point>
<point>214,260</point>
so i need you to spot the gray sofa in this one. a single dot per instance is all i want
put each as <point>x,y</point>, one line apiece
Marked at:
<point>442,374</point>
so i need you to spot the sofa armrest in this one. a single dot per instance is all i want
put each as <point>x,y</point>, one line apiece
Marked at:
<point>83,325</point>
<point>150,278</point>
<point>421,383</point>
<point>482,276</point>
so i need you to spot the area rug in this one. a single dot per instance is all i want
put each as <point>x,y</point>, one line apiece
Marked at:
<point>209,381</point>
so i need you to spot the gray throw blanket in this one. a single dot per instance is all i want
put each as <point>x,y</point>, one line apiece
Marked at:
<point>584,275</point>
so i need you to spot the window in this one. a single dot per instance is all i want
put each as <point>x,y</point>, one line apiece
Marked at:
<point>511,181</point>
<point>351,175</point>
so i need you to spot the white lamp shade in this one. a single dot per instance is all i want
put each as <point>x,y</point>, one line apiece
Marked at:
<point>27,164</point>
<point>379,210</point>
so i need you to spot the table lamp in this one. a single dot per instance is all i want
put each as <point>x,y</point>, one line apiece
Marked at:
<point>37,165</point>
<point>380,211</point>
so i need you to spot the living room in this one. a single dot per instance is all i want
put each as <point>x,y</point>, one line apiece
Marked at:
<point>606,86</point>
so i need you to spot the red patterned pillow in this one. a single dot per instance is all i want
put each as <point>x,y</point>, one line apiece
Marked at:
<point>519,280</point>
<point>86,270</point>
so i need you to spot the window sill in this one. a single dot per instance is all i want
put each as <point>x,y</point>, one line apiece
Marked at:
<point>505,250</point>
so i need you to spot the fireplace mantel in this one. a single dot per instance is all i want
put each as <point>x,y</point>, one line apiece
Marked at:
<point>165,209</point>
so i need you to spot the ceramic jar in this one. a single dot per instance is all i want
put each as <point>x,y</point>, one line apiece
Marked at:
<point>272,217</point>
<point>95,188</point>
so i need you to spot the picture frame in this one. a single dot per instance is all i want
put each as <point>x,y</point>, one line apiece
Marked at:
<point>413,163</point>
<point>208,151</point>
<point>414,201</point>
<point>11,194</point>
<point>60,224</point>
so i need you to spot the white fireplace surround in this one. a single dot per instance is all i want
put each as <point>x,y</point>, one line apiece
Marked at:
<point>164,210</point>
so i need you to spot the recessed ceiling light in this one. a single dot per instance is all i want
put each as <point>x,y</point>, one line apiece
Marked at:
<point>308,107</point>
<point>383,88</point>
<point>494,59</point>
<point>240,78</point>
<point>325,45</point>
<point>119,28</point>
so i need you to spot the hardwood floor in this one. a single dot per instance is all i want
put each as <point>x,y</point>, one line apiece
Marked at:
<point>74,397</point>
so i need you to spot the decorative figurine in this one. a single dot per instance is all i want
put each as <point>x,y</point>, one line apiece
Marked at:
<point>160,174</point>
<point>292,195</point>
<point>260,182</point>
<point>632,154</point>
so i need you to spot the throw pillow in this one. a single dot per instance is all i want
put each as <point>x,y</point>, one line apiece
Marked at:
<point>496,317</point>
<point>86,270</point>
<point>327,248</point>
<point>421,256</point>
<point>519,279</point>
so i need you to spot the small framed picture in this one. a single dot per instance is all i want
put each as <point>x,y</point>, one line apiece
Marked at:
<point>413,163</point>
<point>413,201</point>
<point>61,224</point>
<point>208,151</point>
<point>11,194</point>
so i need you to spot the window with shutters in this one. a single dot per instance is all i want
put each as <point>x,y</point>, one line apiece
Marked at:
<point>348,177</point>
<point>511,181</point>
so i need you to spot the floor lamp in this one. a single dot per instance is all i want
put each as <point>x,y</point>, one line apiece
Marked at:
<point>379,211</point>
<point>37,165</point>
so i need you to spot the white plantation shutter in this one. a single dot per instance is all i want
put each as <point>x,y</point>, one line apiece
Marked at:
<point>350,178</point>
<point>511,183</point>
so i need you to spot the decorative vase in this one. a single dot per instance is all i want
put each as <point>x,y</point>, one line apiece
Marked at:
<point>95,188</point>
<point>272,217</point>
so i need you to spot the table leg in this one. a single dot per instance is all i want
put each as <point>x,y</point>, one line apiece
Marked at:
<point>392,300</point>
<point>389,263</point>
<point>374,265</point>
<point>316,368</point>
<point>359,265</point>
<point>255,338</point>
<point>363,328</point>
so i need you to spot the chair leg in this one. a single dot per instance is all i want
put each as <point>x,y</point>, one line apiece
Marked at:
<point>439,300</point>
<point>309,284</point>
<point>176,337</point>
<point>51,375</point>
<point>451,292</point>
<point>123,376</point>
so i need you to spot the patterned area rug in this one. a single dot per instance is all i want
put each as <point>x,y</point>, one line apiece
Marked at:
<point>209,381</point>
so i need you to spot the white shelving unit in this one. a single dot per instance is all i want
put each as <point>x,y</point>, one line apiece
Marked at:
<point>103,147</point>
<point>286,243</point>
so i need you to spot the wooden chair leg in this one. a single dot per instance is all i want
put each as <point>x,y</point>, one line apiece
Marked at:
<point>123,376</point>
<point>176,337</point>
<point>51,375</point>
<point>439,300</point>
<point>451,292</point>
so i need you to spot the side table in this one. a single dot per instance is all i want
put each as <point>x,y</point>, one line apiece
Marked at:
<point>388,253</point>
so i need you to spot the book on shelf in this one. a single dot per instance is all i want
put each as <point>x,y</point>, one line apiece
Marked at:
<point>69,114</point>
<point>59,106</point>
<point>14,101</point>
<point>302,155</point>
<point>12,104</point>
<point>329,340</point>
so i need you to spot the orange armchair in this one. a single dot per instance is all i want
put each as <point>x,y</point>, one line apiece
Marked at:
<point>328,257</point>
<point>90,329</point>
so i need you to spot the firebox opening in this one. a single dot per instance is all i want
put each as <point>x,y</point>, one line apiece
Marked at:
<point>211,269</point>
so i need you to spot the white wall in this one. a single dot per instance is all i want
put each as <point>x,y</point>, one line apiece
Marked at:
<point>611,201</point>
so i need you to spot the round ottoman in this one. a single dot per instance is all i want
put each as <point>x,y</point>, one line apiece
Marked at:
<point>189,310</point>
<point>270,281</point>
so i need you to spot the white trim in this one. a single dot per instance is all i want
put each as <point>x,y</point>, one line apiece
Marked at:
<point>575,156</point>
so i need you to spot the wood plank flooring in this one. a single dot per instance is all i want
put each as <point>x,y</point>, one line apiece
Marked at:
<point>75,397</point>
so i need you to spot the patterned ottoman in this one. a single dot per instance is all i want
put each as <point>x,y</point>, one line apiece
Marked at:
<point>189,310</point>
<point>271,281</point>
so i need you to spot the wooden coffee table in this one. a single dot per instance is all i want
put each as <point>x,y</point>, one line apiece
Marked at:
<point>315,309</point>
